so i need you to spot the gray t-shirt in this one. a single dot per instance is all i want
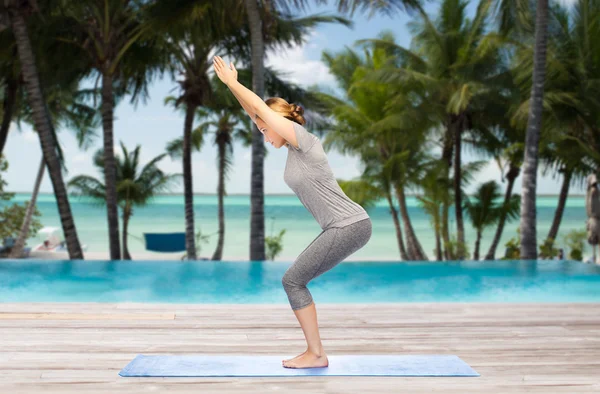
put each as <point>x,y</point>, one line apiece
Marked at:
<point>308,174</point>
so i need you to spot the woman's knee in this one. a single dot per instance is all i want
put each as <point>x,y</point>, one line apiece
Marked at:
<point>290,280</point>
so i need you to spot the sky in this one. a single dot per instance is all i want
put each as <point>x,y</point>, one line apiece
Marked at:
<point>152,124</point>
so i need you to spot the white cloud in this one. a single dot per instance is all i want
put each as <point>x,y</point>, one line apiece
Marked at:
<point>30,137</point>
<point>299,68</point>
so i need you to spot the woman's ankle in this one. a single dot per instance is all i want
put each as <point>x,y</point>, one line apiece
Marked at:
<point>317,351</point>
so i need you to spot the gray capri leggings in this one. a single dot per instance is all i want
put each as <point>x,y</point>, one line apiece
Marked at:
<point>330,247</point>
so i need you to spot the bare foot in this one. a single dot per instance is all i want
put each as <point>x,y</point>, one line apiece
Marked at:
<point>308,360</point>
<point>298,356</point>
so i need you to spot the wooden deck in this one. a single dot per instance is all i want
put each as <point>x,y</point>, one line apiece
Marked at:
<point>517,348</point>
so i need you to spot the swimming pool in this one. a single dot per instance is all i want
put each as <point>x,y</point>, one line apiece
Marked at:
<point>260,282</point>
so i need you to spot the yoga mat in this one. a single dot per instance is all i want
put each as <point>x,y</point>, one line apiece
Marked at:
<point>339,365</point>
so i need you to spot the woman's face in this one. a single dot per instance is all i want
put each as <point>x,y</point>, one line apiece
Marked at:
<point>270,136</point>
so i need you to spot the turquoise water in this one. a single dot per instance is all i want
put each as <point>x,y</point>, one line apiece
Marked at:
<point>165,214</point>
<point>260,282</point>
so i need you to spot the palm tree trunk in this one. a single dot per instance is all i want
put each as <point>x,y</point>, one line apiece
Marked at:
<point>437,229</point>
<point>43,126</point>
<point>403,254</point>
<point>188,189</point>
<point>460,227</point>
<point>110,176</point>
<point>218,254</point>
<point>438,243</point>
<point>511,176</point>
<point>446,229</point>
<point>10,98</point>
<point>560,208</point>
<point>257,197</point>
<point>477,244</point>
<point>415,251</point>
<point>447,151</point>
<point>534,123</point>
<point>126,216</point>
<point>17,249</point>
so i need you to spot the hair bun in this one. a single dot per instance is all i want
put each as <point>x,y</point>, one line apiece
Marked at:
<point>291,111</point>
<point>297,109</point>
<point>296,114</point>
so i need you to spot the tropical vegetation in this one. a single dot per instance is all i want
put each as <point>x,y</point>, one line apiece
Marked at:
<point>511,82</point>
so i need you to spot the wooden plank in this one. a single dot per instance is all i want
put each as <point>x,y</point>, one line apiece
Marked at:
<point>517,348</point>
<point>86,316</point>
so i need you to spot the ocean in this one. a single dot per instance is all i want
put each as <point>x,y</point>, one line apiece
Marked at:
<point>165,214</point>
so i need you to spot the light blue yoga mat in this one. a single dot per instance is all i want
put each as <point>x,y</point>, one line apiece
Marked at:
<point>341,365</point>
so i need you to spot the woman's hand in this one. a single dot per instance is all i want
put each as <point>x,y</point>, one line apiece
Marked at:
<point>226,74</point>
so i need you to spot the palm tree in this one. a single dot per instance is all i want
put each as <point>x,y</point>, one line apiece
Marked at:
<point>257,12</point>
<point>374,184</point>
<point>42,37</point>
<point>373,112</point>
<point>193,65</point>
<point>223,119</point>
<point>437,194</point>
<point>532,137</point>
<point>505,113</point>
<point>380,177</point>
<point>484,211</point>
<point>224,114</point>
<point>11,83</point>
<point>385,7</point>
<point>512,156</point>
<point>570,96</point>
<point>135,186</point>
<point>229,121</point>
<point>124,54</point>
<point>16,11</point>
<point>453,68</point>
<point>564,158</point>
<point>405,164</point>
<point>190,41</point>
<point>257,39</point>
<point>68,110</point>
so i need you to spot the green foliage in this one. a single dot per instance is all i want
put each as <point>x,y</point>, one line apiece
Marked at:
<point>547,249</point>
<point>136,184</point>
<point>437,194</point>
<point>11,220</point>
<point>575,241</point>
<point>453,247</point>
<point>4,196</point>
<point>274,245</point>
<point>483,208</point>
<point>11,216</point>
<point>513,247</point>
<point>200,239</point>
<point>361,191</point>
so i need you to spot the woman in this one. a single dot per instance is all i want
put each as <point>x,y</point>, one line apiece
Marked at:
<point>345,224</point>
